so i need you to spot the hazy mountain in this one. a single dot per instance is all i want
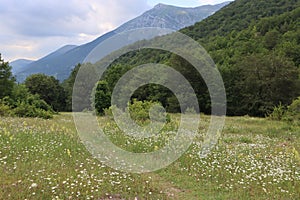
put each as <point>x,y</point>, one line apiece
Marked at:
<point>172,17</point>
<point>46,62</point>
<point>61,62</point>
<point>18,65</point>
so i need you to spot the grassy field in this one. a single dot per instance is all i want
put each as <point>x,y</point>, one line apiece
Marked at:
<point>254,159</point>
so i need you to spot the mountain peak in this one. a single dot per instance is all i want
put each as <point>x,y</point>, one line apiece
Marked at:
<point>160,5</point>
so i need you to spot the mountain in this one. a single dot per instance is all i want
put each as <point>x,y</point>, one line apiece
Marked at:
<point>18,65</point>
<point>46,62</point>
<point>61,62</point>
<point>171,17</point>
<point>256,47</point>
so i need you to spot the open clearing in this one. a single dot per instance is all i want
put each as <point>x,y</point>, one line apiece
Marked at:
<point>44,159</point>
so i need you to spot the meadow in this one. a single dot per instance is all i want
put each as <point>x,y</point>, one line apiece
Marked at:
<point>255,158</point>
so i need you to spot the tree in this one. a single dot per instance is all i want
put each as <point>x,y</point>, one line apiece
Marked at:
<point>68,87</point>
<point>48,88</point>
<point>6,79</point>
<point>86,80</point>
<point>102,97</point>
<point>267,81</point>
<point>271,39</point>
<point>195,79</point>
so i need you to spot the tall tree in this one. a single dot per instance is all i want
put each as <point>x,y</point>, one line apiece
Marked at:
<point>102,97</point>
<point>6,79</point>
<point>68,86</point>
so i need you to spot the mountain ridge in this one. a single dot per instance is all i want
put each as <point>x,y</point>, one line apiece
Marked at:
<point>164,16</point>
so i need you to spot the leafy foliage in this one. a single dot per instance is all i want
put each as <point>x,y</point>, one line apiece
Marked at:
<point>293,112</point>
<point>102,97</point>
<point>48,88</point>
<point>68,87</point>
<point>22,103</point>
<point>238,16</point>
<point>6,79</point>
<point>5,110</point>
<point>290,113</point>
<point>265,81</point>
<point>16,100</point>
<point>278,113</point>
<point>140,110</point>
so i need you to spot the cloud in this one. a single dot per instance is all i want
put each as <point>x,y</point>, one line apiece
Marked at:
<point>33,28</point>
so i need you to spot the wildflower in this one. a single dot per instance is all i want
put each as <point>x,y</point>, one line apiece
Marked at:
<point>69,153</point>
<point>34,185</point>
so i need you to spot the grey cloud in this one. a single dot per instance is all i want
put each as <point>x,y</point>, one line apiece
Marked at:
<point>32,28</point>
<point>65,18</point>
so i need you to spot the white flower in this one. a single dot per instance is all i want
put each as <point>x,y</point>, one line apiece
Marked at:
<point>34,185</point>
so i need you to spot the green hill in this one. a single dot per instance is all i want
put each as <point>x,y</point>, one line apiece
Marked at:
<point>256,46</point>
<point>238,16</point>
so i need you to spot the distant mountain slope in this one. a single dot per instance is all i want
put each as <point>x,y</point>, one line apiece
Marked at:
<point>18,65</point>
<point>46,62</point>
<point>60,63</point>
<point>172,17</point>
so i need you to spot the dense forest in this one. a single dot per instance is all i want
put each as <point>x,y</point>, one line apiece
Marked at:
<point>254,43</point>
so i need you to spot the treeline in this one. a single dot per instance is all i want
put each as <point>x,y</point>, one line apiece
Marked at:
<point>39,96</point>
<point>17,100</point>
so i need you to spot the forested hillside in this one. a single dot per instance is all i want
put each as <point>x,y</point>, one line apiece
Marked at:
<point>238,16</point>
<point>254,43</point>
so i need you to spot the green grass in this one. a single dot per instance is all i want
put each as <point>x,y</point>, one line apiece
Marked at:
<point>254,159</point>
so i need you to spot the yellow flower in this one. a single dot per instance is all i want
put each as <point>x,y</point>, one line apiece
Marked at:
<point>69,153</point>
<point>11,137</point>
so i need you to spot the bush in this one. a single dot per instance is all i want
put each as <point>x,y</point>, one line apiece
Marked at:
<point>278,113</point>
<point>140,110</point>
<point>21,103</point>
<point>27,110</point>
<point>108,111</point>
<point>143,111</point>
<point>294,108</point>
<point>38,103</point>
<point>293,111</point>
<point>4,109</point>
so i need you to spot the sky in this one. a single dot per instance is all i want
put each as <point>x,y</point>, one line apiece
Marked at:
<point>31,29</point>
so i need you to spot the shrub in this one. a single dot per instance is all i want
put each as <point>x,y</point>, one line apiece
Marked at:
<point>4,109</point>
<point>140,110</point>
<point>278,113</point>
<point>21,103</point>
<point>26,110</point>
<point>143,111</point>
<point>294,108</point>
<point>293,111</point>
